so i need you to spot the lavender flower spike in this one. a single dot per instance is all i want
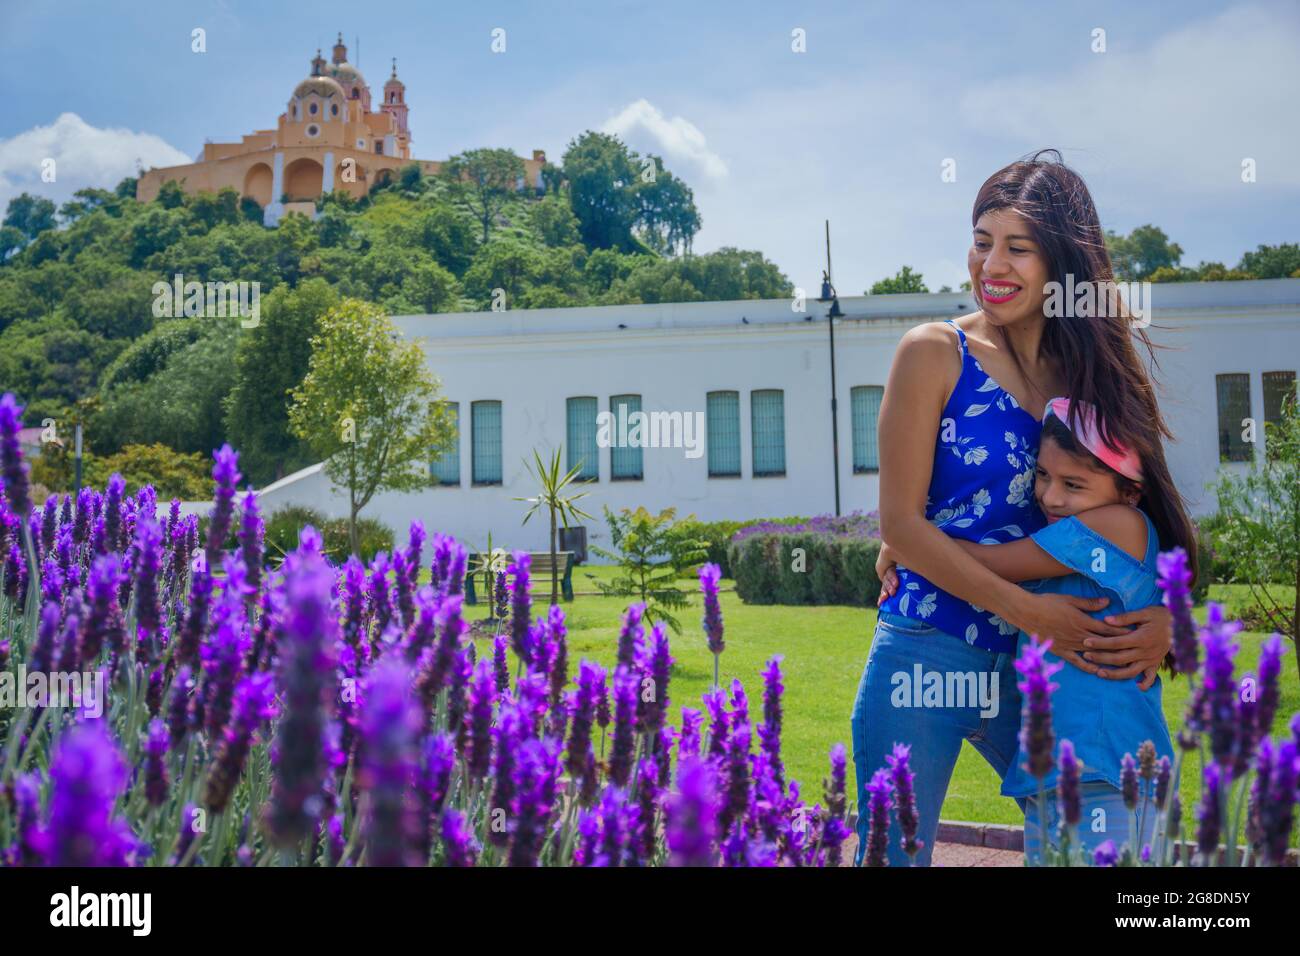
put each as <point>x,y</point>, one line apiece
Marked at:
<point>1175,579</point>
<point>12,467</point>
<point>1036,713</point>
<point>880,796</point>
<point>87,775</point>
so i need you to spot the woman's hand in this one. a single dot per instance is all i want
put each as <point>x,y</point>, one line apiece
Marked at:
<point>886,562</point>
<point>1139,651</point>
<point>1060,618</point>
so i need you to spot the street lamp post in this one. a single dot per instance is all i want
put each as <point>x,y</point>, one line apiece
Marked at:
<point>833,313</point>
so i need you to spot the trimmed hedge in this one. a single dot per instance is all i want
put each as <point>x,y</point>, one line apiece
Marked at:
<point>282,529</point>
<point>834,570</point>
<point>717,536</point>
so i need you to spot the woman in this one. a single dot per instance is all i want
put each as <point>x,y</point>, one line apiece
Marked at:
<point>958,441</point>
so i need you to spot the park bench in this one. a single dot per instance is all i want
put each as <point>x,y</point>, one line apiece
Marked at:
<point>540,571</point>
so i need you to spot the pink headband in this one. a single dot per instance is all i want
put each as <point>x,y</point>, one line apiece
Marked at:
<point>1086,433</point>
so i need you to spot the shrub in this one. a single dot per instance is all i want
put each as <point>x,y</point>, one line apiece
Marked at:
<point>803,567</point>
<point>283,526</point>
<point>717,535</point>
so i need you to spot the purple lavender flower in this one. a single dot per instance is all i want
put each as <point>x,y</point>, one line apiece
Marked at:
<point>87,774</point>
<point>1210,812</point>
<point>1128,781</point>
<point>558,637</point>
<point>306,677</point>
<point>15,572</point>
<point>225,472</point>
<point>616,828</point>
<point>625,704</point>
<point>500,597</point>
<point>631,634</point>
<point>435,770</point>
<point>1277,805</point>
<point>689,743</point>
<point>156,784</point>
<point>458,839</point>
<point>12,467</point>
<point>390,729</point>
<point>251,532</point>
<point>535,786</point>
<point>81,520</point>
<point>380,591</point>
<point>509,736</point>
<point>49,522</point>
<point>196,618</point>
<point>1221,700</point>
<point>1270,669</point>
<point>148,551</point>
<point>178,707</point>
<point>879,799</point>
<point>1176,580</point>
<point>1067,786</point>
<point>654,664</point>
<point>521,610</point>
<point>901,776</point>
<point>462,668</point>
<point>581,756</point>
<point>1106,854</point>
<point>114,536</point>
<point>223,659</point>
<point>715,701</point>
<point>769,731</point>
<point>835,791</point>
<point>41,659</point>
<point>1036,735</point>
<point>32,844</point>
<point>710,575</point>
<point>500,664</point>
<point>738,771</point>
<point>482,701</point>
<point>1164,773</point>
<point>254,702</point>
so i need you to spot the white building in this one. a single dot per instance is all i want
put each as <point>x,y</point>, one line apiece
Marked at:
<point>758,373</point>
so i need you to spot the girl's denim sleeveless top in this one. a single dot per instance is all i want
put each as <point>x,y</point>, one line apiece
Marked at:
<point>981,489</point>
<point>1104,719</point>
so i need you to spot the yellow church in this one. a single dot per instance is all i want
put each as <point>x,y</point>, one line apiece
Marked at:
<point>328,138</point>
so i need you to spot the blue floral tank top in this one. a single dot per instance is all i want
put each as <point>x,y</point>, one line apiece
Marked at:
<point>981,489</point>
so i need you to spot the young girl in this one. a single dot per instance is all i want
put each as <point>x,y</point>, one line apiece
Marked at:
<point>1107,518</point>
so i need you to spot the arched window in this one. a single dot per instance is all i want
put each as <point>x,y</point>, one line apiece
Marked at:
<point>312,109</point>
<point>334,109</point>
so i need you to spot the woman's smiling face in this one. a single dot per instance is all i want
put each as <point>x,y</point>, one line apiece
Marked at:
<point>1008,271</point>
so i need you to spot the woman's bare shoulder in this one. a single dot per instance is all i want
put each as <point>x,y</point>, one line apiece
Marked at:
<point>930,347</point>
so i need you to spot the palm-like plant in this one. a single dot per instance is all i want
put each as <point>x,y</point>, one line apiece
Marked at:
<point>556,501</point>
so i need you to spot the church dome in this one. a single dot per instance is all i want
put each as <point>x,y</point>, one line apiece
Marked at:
<point>347,74</point>
<point>322,86</point>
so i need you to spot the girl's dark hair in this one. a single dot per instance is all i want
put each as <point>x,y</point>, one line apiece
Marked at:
<point>1095,354</point>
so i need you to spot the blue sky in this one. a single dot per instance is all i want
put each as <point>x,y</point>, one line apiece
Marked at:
<point>856,129</point>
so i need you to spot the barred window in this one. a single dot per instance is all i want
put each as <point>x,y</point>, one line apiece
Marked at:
<point>580,437</point>
<point>865,405</point>
<point>447,468</point>
<point>624,460</point>
<point>767,420</point>
<point>1234,406</point>
<point>485,439</point>
<point>1279,392</point>
<point>723,427</point>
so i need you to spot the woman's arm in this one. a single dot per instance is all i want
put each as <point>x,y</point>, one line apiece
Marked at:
<point>923,374</point>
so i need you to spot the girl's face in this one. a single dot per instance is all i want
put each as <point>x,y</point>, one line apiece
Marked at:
<point>1008,271</point>
<point>1066,484</point>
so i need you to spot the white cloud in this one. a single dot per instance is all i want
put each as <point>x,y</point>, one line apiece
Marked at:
<point>1181,110</point>
<point>643,126</point>
<point>84,156</point>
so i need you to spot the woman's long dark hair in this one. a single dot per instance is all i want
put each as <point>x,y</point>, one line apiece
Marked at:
<point>1094,354</point>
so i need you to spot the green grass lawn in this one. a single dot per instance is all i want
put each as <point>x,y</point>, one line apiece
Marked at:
<point>824,650</point>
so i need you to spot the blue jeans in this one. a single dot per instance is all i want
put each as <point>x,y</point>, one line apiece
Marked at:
<point>889,709</point>
<point>1104,817</point>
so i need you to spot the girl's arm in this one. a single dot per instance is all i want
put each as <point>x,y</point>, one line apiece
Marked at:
<point>1017,561</point>
<point>1024,560</point>
<point>923,374</point>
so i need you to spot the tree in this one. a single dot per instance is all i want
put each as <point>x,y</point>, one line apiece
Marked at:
<point>369,407</point>
<point>1272,262</point>
<point>1140,253</point>
<point>553,497</point>
<point>271,360</point>
<point>905,280</point>
<point>651,551</point>
<point>488,177</point>
<point>1259,525</point>
<point>30,215</point>
<point>600,174</point>
<point>666,217</point>
<point>554,222</point>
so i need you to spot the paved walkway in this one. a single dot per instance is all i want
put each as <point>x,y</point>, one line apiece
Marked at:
<point>955,854</point>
